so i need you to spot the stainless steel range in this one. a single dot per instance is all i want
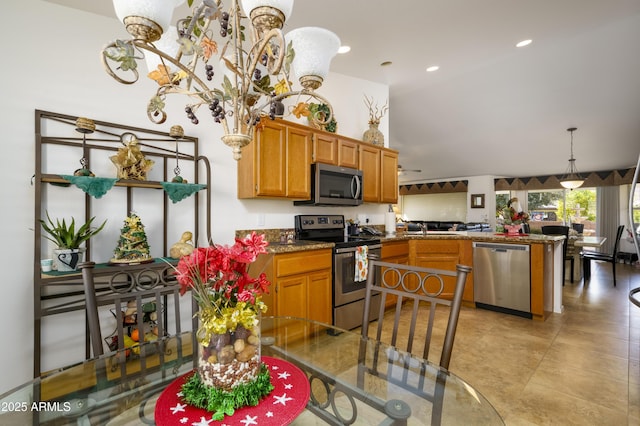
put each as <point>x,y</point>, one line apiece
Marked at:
<point>348,294</point>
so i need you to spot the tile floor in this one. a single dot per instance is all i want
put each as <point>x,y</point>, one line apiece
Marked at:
<point>581,367</point>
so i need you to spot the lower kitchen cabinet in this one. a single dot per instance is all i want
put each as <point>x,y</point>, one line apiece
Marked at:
<point>394,252</point>
<point>444,254</point>
<point>300,285</point>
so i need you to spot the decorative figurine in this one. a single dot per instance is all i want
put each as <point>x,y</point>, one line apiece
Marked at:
<point>182,247</point>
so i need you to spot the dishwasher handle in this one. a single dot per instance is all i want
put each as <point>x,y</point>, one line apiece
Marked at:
<point>501,248</point>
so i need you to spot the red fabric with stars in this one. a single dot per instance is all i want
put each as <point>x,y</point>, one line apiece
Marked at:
<point>287,400</point>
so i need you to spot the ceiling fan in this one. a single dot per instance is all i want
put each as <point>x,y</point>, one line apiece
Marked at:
<point>402,170</point>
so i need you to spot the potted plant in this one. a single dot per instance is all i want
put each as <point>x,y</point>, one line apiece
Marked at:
<point>68,240</point>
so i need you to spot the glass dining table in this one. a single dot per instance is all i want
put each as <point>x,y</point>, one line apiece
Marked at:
<point>351,380</point>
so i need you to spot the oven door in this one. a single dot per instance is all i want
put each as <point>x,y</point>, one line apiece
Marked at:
<point>346,289</point>
<point>348,295</point>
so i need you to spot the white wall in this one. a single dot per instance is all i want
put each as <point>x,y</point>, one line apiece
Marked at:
<point>52,62</point>
<point>454,206</point>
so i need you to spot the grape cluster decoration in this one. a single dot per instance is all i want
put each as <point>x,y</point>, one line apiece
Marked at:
<point>191,115</point>
<point>224,24</point>
<point>217,112</point>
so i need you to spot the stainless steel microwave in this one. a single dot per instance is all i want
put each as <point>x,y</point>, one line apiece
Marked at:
<point>334,186</point>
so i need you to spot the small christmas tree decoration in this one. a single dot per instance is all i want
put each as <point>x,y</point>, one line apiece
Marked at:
<point>132,245</point>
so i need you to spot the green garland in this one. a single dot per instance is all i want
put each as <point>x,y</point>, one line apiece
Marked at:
<point>222,403</point>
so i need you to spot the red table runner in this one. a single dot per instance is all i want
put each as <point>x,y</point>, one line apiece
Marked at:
<point>287,400</point>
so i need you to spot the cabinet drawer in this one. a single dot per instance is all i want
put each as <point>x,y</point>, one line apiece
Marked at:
<point>437,246</point>
<point>299,263</point>
<point>399,248</point>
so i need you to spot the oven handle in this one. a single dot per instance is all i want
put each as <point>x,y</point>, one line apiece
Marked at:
<point>353,249</point>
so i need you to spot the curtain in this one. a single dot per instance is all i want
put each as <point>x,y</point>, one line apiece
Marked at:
<point>607,215</point>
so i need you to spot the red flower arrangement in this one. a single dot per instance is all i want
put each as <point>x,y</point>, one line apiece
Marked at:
<point>219,280</point>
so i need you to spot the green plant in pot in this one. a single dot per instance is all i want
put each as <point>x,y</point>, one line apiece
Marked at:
<point>68,238</point>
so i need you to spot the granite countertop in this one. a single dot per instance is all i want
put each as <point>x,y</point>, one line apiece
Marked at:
<point>301,245</point>
<point>475,236</point>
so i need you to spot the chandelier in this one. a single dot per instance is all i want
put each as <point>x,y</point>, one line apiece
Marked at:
<point>571,179</point>
<point>257,60</point>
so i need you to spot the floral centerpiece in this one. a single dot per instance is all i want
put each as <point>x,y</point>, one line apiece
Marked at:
<point>230,373</point>
<point>513,216</point>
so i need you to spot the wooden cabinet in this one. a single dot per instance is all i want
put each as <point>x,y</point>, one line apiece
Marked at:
<point>300,284</point>
<point>369,160</point>
<point>325,149</point>
<point>444,254</point>
<point>380,174</point>
<point>389,176</point>
<point>394,252</point>
<point>331,149</point>
<point>348,153</point>
<point>277,163</point>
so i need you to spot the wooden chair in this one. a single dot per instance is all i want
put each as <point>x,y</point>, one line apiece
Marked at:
<point>414,289</point>
<point>561,230</point>
<point>140,298</point>
<point>588,256</point>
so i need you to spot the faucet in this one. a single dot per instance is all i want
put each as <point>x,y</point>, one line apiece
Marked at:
<point>423,227</point>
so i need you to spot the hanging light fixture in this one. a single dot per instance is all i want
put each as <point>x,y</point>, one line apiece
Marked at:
<point>255,79</point>
<point>571,179</point>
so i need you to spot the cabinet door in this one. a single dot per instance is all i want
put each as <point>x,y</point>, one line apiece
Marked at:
<point>325,149</point>
<point>270,160</point>
<point>319,296</point>
<point>291,295</point>
<point>439,254</point>
<point>389,177</point>
<point>347,153</point>
<point>298,163</point>
<point>370,166</point>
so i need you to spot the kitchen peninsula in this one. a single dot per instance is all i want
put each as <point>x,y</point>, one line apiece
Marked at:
<point>443,250</point>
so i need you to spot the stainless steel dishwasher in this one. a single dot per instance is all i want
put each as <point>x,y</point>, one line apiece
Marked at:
<point>502,277</point>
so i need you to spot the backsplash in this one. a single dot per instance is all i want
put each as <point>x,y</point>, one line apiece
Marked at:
<point>271,235</point>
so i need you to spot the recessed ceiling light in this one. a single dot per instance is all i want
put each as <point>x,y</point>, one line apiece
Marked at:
<point>386,63</point>
<point>433,68</point>
<point>344,49</point>
<point>524,43</point>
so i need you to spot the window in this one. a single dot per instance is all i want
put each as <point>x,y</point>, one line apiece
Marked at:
<point>549,206</point>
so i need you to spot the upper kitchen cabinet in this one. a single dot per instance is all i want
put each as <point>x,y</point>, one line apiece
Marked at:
<point>325,149</point>
<point>338,151</point>
<point>389,178</point>
<point>380,174</point>
<point>348,153</point>
<point>277,164</point>
<point>369,160</point>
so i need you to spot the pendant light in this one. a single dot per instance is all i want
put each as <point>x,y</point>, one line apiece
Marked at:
<point>571,179</point>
